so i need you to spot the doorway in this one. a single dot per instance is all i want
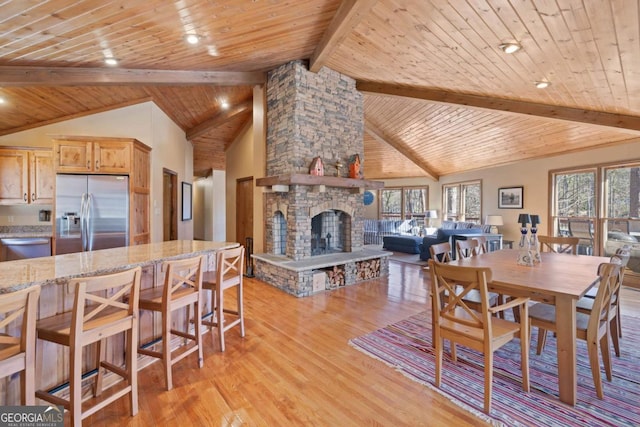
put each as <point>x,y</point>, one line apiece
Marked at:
<point>244,209</point>
<point>169,205</point>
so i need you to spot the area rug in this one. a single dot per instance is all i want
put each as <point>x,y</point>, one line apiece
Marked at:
<point>407,258</point>
<point>406,346</point>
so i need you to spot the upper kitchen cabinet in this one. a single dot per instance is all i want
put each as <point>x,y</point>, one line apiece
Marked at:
<point>26,176</point>
<point>92,155</point>
<point>42,177</point>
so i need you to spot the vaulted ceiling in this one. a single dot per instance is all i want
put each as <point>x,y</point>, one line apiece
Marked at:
<point>440,96</point>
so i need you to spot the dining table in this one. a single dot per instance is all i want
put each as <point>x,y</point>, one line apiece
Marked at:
<point>559,279</point>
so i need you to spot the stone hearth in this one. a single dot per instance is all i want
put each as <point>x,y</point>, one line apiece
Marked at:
<point>313,115</point>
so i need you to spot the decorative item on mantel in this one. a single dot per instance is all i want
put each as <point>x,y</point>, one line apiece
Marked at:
<point>524,255</point>
<point>338,166</point>
<point>317,167</point>
<point>535,252</point>
<point>354,167</point>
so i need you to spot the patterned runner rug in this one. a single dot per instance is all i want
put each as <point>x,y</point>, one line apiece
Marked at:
<point>406,346</point>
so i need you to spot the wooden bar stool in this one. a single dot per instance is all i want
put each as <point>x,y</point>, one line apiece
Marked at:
<point>17,353</point>
<point>182,287</point>
<point>103,306</point>
<point>230,265</point>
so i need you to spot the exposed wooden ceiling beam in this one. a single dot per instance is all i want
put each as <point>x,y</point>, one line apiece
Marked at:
<point>348,16</point>
<point>67,76</point>
<point>208,124</point>
<point>630,124</point>
<point>379,135</point>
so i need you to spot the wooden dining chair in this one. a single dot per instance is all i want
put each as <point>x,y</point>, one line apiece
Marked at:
<point>466,248</point>
<point>559,244</point>
<point>480,330</point>
<point>483,245</point>
<point>18,339</point>
<point>585,304</point>
<point>593,327</point>
<point>440,252</point>
<point>181,290</point>
<point>228,274</point>
<point>103,306</point>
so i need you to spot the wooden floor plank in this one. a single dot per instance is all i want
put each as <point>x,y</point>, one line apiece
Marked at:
<point>295,367</point>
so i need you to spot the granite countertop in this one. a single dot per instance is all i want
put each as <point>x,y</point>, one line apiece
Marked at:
<point>25,231</point>
<point>15,275</point>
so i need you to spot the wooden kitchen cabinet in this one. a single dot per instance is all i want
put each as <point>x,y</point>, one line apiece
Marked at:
<point>26,176</point>
<point>92,155</point>
<point>42,177</point>
<point>118,156</point>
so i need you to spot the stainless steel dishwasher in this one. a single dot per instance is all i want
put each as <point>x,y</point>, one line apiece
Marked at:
<point>21,248</point>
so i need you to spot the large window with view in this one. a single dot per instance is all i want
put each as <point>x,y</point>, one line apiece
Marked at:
<point>462,201</point>
<point>404,203</point>
<point>601,206</point>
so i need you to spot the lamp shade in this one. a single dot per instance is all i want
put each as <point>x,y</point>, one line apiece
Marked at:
<point>493,220</point>
<point>535,220</point>
<point>524,219</point>
<point>431,213</point>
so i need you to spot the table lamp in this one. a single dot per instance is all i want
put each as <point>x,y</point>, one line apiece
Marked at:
<point>494,221</point>
<point>535,253</point>
<point>524,256</point>
<point>430,214</point>
<point>524,219</point>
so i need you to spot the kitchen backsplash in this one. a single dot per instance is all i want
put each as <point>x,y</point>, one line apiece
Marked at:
<point>23,215</point>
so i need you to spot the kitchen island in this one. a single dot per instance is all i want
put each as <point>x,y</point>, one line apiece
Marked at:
<point>58,269</point>
<point>53,273</point>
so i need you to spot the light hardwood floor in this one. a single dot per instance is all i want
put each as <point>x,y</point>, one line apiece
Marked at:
<point>295,367</point>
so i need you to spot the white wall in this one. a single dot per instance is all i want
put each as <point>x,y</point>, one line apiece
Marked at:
<point>144,122</point>
<point>533,175</point>
<point>210,210</point>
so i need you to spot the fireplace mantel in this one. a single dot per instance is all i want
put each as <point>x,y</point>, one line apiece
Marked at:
<point>281,183</point>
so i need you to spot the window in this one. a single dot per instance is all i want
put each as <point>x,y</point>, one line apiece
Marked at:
<point>600,205</point>
<point>462,201</point>
<point>574,207</point>
<point>404,202</point>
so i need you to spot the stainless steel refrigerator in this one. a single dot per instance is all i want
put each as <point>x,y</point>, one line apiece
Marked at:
<point>92,212</point>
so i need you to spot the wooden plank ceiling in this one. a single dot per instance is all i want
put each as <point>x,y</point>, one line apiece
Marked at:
<point>440,96</point>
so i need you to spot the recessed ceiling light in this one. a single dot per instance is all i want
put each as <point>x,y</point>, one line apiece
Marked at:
<point>510,47</point>
<point>111,61</point>
<point>192,38</point>
<point>542,85</point>
<point>224,105</point>
<point>2,101</point>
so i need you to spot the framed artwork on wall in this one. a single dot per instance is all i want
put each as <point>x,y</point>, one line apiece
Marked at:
<point>511,198</point>
<point>187,213</point>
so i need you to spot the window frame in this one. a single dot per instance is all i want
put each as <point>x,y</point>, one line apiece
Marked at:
<point>460,215</point>
<point>403,213</point>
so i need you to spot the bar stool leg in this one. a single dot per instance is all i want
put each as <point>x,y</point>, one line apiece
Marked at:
<point>166,348</point>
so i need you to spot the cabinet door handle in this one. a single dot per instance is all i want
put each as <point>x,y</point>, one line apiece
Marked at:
<point>88,164</point>
<point>33,197</point>
<point>97,165</point>
<point>25,197</point>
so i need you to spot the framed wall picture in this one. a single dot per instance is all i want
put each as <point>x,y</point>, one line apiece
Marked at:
<point>187,198</point>
<point>511,198</point>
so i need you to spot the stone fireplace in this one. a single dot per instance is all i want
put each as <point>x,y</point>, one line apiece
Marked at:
<point>313,224</point>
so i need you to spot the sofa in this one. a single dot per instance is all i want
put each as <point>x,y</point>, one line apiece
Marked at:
<point>406,244</point>
<point>445,233</point>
